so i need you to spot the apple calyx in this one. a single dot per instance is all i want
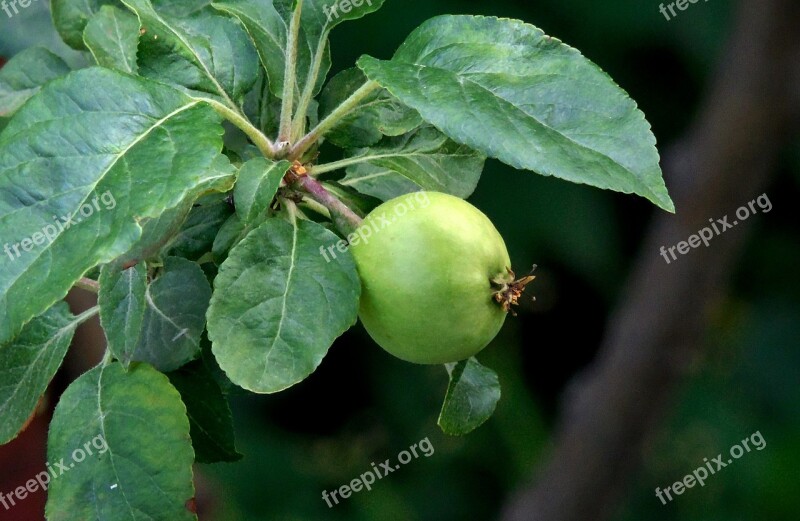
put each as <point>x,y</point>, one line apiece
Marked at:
<point>510,289</point>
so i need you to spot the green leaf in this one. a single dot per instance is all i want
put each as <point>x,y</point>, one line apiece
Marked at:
<point>170,314</point>
<point>29,363</point>
<point>318,18</point>
<point>268,29</point>
<point>71,16</point>
<point>267,23</point>
<point>380,114</point>
<point>278,305</point>
<point>425,159</point>
<point>264,110</point>
<point>207,357</point>
<point>25,74</point>
<point>256,187</point>
<point>122,308</point>
<point>140,465</point>
<point>178,231</point>
<point>323,15</point>
<point>204,52</point>
<point>506,89</point>
<point>157,234</point>
<point>180,8</point>
<point>210,415</point>
<point>81,164</point>
<point>229,235</point>
<point>196,236</point>
<point>471,397</point>
<point>112,36</point>
<point>175,316</point>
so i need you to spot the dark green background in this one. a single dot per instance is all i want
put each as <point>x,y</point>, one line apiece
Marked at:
<point>363,406</point>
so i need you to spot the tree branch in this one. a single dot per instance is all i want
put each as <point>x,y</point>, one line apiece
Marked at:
<point>724,161</point>
<point>343,217</point>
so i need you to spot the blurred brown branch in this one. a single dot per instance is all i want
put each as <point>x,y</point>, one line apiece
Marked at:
<point>724,161</point>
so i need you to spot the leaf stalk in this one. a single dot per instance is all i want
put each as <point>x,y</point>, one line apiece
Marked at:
<point>290,76</point>
<point>333,118</point>
<point>264,144</point>
<point>308,92</point>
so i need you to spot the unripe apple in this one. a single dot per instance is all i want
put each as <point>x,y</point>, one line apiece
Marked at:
<point>430,266</point>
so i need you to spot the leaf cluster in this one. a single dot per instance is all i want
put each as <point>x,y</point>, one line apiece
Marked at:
<point>204,122</point>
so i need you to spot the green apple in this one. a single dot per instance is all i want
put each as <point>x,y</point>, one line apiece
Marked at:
<point>430,266</point>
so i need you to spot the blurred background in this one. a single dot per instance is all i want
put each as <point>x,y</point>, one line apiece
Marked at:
<point>739,377</point>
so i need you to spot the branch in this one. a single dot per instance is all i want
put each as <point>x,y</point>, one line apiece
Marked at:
<point>343,217</point>
<point>725,160</point>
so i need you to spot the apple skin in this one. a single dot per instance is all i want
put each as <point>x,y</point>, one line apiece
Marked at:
<point>427,261</point>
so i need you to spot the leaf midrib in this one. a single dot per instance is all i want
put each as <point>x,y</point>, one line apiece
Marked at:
<point>151,303</point>
<point>463,79</point>
<point>285,298</point>
<point>197,58</point>
<point>102,420</point>
<point>101,177</point>
<point>44,349</point>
